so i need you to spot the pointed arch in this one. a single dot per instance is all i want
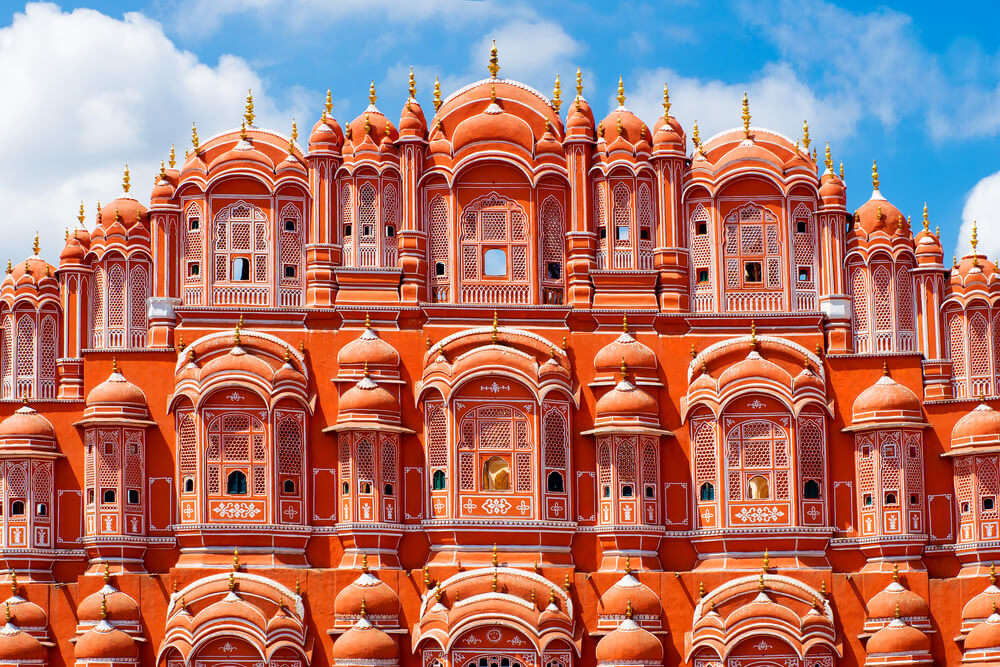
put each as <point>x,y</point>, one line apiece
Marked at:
<point>439,239</point>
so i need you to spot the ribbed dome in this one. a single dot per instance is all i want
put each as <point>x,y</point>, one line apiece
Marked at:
<point>629,643</point>
<point>412,122</point>
<point>629,591</point>
<point>116,390</point>
<point>104,642</point>
<point>986,635</point>
<point>887,400</point>
<point>125,211</point>
<point>365,642</point>
<point>119,606</point>
<point>893,597</point>
<point>368,348</point>
<point>26,422</point>
<point>898,637</point>
<point>978,427</point>
<point>626,399</point>
<point>368,396</point>
<point>983,604</point>
<point>762,607</point>
<point>24,613</point>
<point>627,349</point>
<point>17,645</point>
<point>878,214</point>
<point>379,598</point>
<point>326,135</point>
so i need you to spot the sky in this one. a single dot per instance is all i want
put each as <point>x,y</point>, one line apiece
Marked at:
<point>89,87</point>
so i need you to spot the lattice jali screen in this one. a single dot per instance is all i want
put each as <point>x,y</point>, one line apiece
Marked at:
<point>495,252</point>
<point>242,235</point>
<point>290,445</point>
<point>440,242</point>
<point>956,348</point>
<point>346,224</point>
<point>497,430</point>
<point>904,310</point>
<point>390,225</point>
<point>702,264</point>
<point>553,242</point>
<point>601,217</point>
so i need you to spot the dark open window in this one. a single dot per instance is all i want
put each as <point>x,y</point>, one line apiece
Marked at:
<point>236,483</point>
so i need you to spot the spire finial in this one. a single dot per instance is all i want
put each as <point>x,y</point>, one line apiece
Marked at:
<point>895,572</point>
<point>885,368</point>
<point>437,94</point>
<point>173,157</point>
<point>413,85</point>
<point>896,613</point>
<point>494,65</point>
<point>364,371</point>
<point>494,581</point>
<point>7,611</point>
<point>841,171</point>
<point>624,369</point>
<point>114,364</point>
<point>493,335</point>
<point>364,562</point>
<point>104,606</point>
<point>767,558</point>
<point>194,136</point>
<point>36,246</point>
<point>746,116</point>
<point>328,104</point>
<point>427,577</point>
<point>974,241</point>
<point>753,334</point>
<point>828,160</point>
<point>13,582</point>
<point>557,95</point>
<point>875,174</point>
<point>696,138</point>
<point>232,582</point>
<point>624,322</point>
<point>243,129</point>
<point>248,114</point>
<point>926,222</point>
<point>295,131</point>
<point>701,589</point>
<point>628,564</point>
<point>163,171</point>
<point>760,582</point>
<point>368,320</point>
<point>10,266</point>
<point>126,180</point>
<point>236,559</point>
<point>621,91</point>
<point>666,101</point>
<point>628,609</point>
<point>371,93</point>
<point>107,573</point>
<point>495,560</point>
<point>805,135</point>
<point>80,216</point>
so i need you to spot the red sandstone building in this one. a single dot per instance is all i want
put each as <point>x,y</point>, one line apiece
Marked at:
<point>511,387</point>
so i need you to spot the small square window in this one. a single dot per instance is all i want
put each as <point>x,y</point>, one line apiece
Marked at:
<point>554,270</point>
<point>644,234</point>
<point>650,491</point>
<point>622,233</point>
<point>804,274</point>
<point>108,496</point>
<point>133,496</point>
<point>194,224</point>
<point>868,500</point>
<point>752,272</point>
<point>495,262</point>
<point>604,232</point>
<point>347,231</point>
<point>390,231</point>
<point>90,496</point>
<point>914,499</point>
<point>702,275</point>
<point>701,229</point>
<point>890,499</point>
<point>439,269</point>
<point>965,507</point>
<point>289,270</point>
<point>989,502</point>
<point>42,509</point>
<point>366,231</point>
<point>800,226</point>
<point>289,225</point>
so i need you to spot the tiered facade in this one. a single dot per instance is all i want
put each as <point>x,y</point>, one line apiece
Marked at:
<point>513,387</point>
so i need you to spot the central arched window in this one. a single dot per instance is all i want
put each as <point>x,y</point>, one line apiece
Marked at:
<point>236,483</point>
<point>757,460</point>
<point>494,252</point>
<point>241,245</point>
<point>496,474</point>
<point>236,462</point>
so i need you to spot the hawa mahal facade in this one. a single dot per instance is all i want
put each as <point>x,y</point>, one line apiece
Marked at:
<point>511,387</point>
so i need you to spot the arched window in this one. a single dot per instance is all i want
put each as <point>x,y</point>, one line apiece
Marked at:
<point>367,232</point>
<point>752,252</point>
<point>26,352</point>
<point>495,450</point>
<point>621,220</point>
<point>439,241</point>
<point>138,286</point>
<point>646,228</point>
<point>810,490</point>
<point>242,249</point>
<point>438,480</point>
<point>236,483</point>
<point>291,264</point>
<point>494,252</point>
<point>496,474</point>
<point>390,222</point>
<point>702,263</point>
<point>759,488</point>
<point>601,216</point>
<point>187,455</point>
<point>555,482</point>
<point>553,250</point>
<point>758,462</point>
<point>706,492</point>
<point>859,301</point>
<point>346,224</point>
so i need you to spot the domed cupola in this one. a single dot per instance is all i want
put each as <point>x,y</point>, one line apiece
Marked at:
<point>105,643</point>
<point>194,165</point>
<point>638,357</point>
<point>580,117</point>
<point>110,604</point>
<point>366,596</point>
<point>371,130</point>
<point>77,244</point>
<point>977,430</point>
<point>365,644</point>
<point>116,400</point>
<point>627,596</point>
<point>18,647</point>
<point>626,405</point>
<point>326,135</point>
<point>124,217</point>
<point>878,219</point>
<point>896,601</point>
<point>886,403</point>
<point>629,644</point>
<point>832,189</point>
<point>367,404</point>
<point>33,281</point>
<point>163,187</point>
<point>23,613</point>
<point>898,644</point>
<point>623,131</point>
<point>292,165</point>
<point>982,644</point>
<point>243,155</point>
<point>928,244</point>
<point>668,135</point>
<point>982,605</point>
<point>27,429</point>
<point>412,123</point>
<point>369,349</point>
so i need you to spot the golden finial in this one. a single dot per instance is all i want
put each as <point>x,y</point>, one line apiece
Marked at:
<point>437,94</point>
<point>875,174</point>
<point>696,138</point>
<point>80,216</point>
<point>494,583</point>
<point>10,266</point>
<point>628,564</point>
<point>814,154</point>
<point>494,65</point>
<point>126,180</point>
<point>753,334</point>
<point>624,322</point>
<point>248,114</point>
<point>413,85</point>
<point>767,558</point>
<point>565,344</point>
<point>694,352</point>
<point>364,370</point>
<point>701,589</point>
<point>243,130</point>
<point>427,577</point>
<point>666,101</point>
<point>566,584</point>
<point>173,157</point>
<point>437,594</point>
<point>236,335</point>
<point>371,93</point>
<point>107,573</point>
<point>885,368</point>
<point>805,134</point>
<point>194,136</point>
<point>557,95</point>
<point>163,171</point>
<point>600,128</point>
<point>493,92</point>
<point>114,364</point>
<point>298,587</point>
<point>493,335</point>
<point>828,160</point>
<point>975,239</point>
<point>232,582</point>
<point>896,614</point>
<point>495,561</point>
<point>926,223</point>
<point>328,105</point>
<point>621,130</point>
<point>7,611</point>
<point>760,582</point>
<point>895,572</point>
<point>364,608</point>
<point>746,116</point>
<point>364,562</point>
<point>552,596</point>
<point>628,609</point>
<point>104,606</point>
<point>295,130</point>
<point>841,171</point>
<point>368,125</point>
<point>13,582</point>
<point>236,559</point>
<point>36,245</point>
<point>621,92</point>
<point>579,83</point>
<point>624,370</point>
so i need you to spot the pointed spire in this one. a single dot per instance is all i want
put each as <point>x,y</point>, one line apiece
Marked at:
<point>624,322</point>
<point>364,562</point>
<point>767,559</point>
<point>173,157</point>
<point>628,564</point>
<point>746,116</point>
<point>557,95</point>
<point>371,93</point>
<point>126,180</point>
<point>493,335</point>
<point>495,560</point>
<point>6,612</point>
<point>413,85</point>
<point>624,370</point>
<point>293,137</point>
<point>895,572</point>
<point>841,171</point>
<point>828,160</point>
<point>628,609</point>
<point>666,101</point>
<point>194,136</point>
<point>701,589</point>
<point>494,65</point>
<point>107,573</point>
<point>760,582</point>
<point>896,613</point>
<point>974,241</point>
<point>753,334</point>
<point>805,134</point>
<point>232,582</point>
<point>36,246</point>
<point>104,606</point>
<point>875,180</point>
<point>494,581</point>
<point>13,582</point>
<point>248,114</point>
<point>368,125</point>
<point>114,364</point>
<point>437,94</point>
<point>621,92</point>
<point>579,83</point>
<point>80,216</point>
<point>163,171</point>
<point>696,138</point>
<point>243,130</point>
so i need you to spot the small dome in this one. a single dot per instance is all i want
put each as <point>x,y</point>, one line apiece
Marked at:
<point>368,348</point>
<point>379,598</point>
<point>626,400</point>
<point>104,642</point>
<point>887,401</point>
<point>34,273</point>
<point>282,622</point>
<point>368,397</point>
<point>895,596</point>
<point>326,135</point>
<point>17,646</point>
<point>26,422</point>
<point>412,122</point>
<point>749,151</point>
<point>243,152</point>
<point>636,355</point>
<point>928,247</point>
<point>983,604</point>
<point>760,607</point>
<point>986,635</point>
<point>622,124</point>
<point>630,591</point>
<point>119,606</point>
<point>548,143</point>
<point>580,119</point>
<point>238,361</point>
<point>668,134</point>
<point>629,643</point>
<point>364,642</point>
<point>116,390</point>
<point>878,214</point>
<point>496,127</point>
<point>978,427</point>
<point>832,189</point>
<point>897,637</point>
<point>125,211</point>
<point>754,367</point>
<point>807,379</point>
<point>73,252</point>
<point>26,614</point>
<point>371,125</point>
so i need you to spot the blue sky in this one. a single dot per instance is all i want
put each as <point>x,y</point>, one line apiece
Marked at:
<point>95,85</point>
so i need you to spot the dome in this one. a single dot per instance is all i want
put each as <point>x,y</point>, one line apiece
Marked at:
<point>412,122</point>
<point>378,597</point>
<point>887,401</point>
<point>885,603</point>
<point>119,606</point>
<point>978,427</point>
<point>755,367</point>
<point>580,120</point>
<point>928,247</point>
<point>104,642</point>
<point>282,622</point>
<point>125,211</point>
<point>807,379</point>
<point>636,355</point>
<point>668,134</point>
<point>630,591</point>
<point>116,390</point>
<point>239,361</point>
<point>368,348</point>
<point>762,607</point>
<point>371,124</point>
<point>26,422</point>
<point>831,188</point>
<point>17,646</point>
<point>367,396</point>
<point>983,604</point>
<point>548,143</point>
<point>498,127</point>
<point>73,252</point>
<point>626,400</point>
<point>364,642</point>
<point>622,124</point>
<point>243,152</point>
<point>326,134</point>
<point>26,614</point>
<point>31,273</point>
<point>749,151</point>
<point>878,214</point>
<point>986,635</point>
<point>629,643</point>
<point>512,98</point>
<point>898,637</point>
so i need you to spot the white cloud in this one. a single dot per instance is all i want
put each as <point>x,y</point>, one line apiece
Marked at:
<point>86,93</point>
<point>779,100</point>
<point>982,204</point>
